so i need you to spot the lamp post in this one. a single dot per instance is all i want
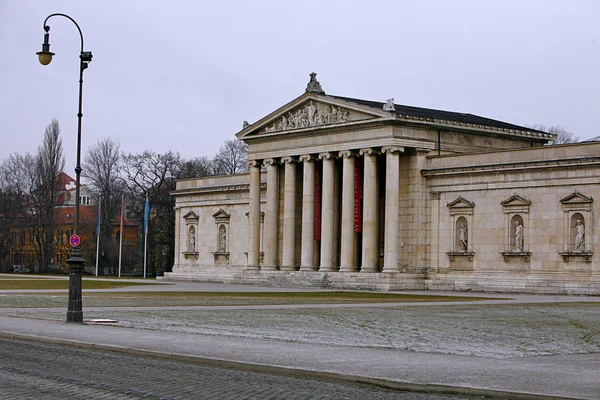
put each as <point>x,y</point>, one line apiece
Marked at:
<point>74,310</point>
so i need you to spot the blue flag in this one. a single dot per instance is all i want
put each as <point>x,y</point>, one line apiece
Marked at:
<point>97,232</point>
<point>146,215</point>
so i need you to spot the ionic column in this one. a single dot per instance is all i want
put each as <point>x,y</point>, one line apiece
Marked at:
<point>392,187</point>
<point>308,214</point>
<point>254,217</point>
<point>289,214</point>
<point>370,229</point>
<point>347,259</point>
<point>272,225</point>
<point>327,213</point>
<point>336,216</point>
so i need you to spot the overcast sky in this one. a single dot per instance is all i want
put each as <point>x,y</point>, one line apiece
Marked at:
<point>184,75</point>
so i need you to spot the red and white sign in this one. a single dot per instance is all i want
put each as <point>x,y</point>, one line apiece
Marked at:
<point>74,240</point>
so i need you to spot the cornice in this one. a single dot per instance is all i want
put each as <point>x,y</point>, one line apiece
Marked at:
<point>592,161</point>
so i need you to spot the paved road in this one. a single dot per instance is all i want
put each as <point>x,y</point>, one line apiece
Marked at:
<point>42,371</point>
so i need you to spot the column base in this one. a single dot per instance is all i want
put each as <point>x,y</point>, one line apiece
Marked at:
<point>390,270</point>
<point>328,269</point>
<point>269,268</point>
<point>348,269</point>
<point>290,268</point>
<point>308,268</point>
<point>252,268</point>
<point>369,270</point>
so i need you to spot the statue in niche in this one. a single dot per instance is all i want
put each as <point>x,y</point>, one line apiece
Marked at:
<point>222,239</point>
<point>518,236</point>
<point>463,237</point>
<point>579,235</point>
<point>192,242</point>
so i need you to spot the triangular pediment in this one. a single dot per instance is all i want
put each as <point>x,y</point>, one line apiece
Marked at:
<point>309,111</point>
<point>221,214</point>
<point>460,203</point>
<point>576,198</point>
<point>191,216</point>
<point>516,200</point>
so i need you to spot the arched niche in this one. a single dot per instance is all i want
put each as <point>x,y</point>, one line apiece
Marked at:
<point>461,213</point>
<point>517,227</point>
<point>577,233</point>
<point>517,234</point>
<point>578,229</point>
<point>222,238</point>
<point>221,252</point>
<point>191,239</point>
<point>191,220</point>
<point>461,234</point>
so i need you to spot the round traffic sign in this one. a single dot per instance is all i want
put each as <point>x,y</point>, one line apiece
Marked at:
<point>74,240</point>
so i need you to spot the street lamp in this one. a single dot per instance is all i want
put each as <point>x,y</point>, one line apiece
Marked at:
<point>74,311</point>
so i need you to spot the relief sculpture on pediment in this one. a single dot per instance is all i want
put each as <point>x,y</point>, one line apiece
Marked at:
<point>309,115</point>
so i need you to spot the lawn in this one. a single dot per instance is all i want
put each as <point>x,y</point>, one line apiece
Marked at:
<point>207,299</point>
<point>45,284</point>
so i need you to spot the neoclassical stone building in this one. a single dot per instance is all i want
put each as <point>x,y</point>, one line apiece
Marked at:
<point>349,193</point>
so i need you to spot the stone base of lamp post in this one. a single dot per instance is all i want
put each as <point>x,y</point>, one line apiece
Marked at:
<point>75,311</point>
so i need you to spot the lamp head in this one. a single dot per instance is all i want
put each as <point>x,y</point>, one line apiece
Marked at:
<point>45,56</point>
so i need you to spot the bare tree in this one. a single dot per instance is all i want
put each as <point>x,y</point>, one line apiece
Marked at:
<point>102,167</point>
<point>10,204</point>
<point>232,158</point>
<point>563,136</point>
<point>50,163</point>
<point>196,167</point>
<point>35,180</point>
<point>154,174</point>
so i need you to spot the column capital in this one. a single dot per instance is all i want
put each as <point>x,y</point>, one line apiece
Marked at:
<point>306,157</point>
<point>422,150</point>
<point>369,151</point>
<point>288,159</point>
<point>346,153</point>
<point>254,163</point>
<point>392,149</point>
<point>326,156</point>
<point>269,162</point>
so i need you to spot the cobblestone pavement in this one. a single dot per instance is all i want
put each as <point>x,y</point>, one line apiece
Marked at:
<point>42,371</point>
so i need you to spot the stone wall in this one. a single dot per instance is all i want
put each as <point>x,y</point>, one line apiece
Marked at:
<point>543,190</point>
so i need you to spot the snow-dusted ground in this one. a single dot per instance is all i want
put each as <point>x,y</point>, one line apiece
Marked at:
<point>486,330</point>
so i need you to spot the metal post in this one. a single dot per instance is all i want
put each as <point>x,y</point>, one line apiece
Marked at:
<point>74,310</point>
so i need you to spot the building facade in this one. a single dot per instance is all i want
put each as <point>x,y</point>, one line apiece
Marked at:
<point>25,246</point>
<point>349,193</point>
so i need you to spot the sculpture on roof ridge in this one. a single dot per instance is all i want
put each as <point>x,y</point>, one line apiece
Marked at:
<point>314,85</point>
<point>389,105</point>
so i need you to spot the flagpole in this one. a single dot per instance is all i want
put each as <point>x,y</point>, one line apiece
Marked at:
<point>146,209</point>
<point>98,235</point>
<point>121,236</point>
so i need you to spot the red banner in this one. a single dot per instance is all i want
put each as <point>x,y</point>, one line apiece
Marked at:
<point>317,201</point>
<point>357,208</point>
